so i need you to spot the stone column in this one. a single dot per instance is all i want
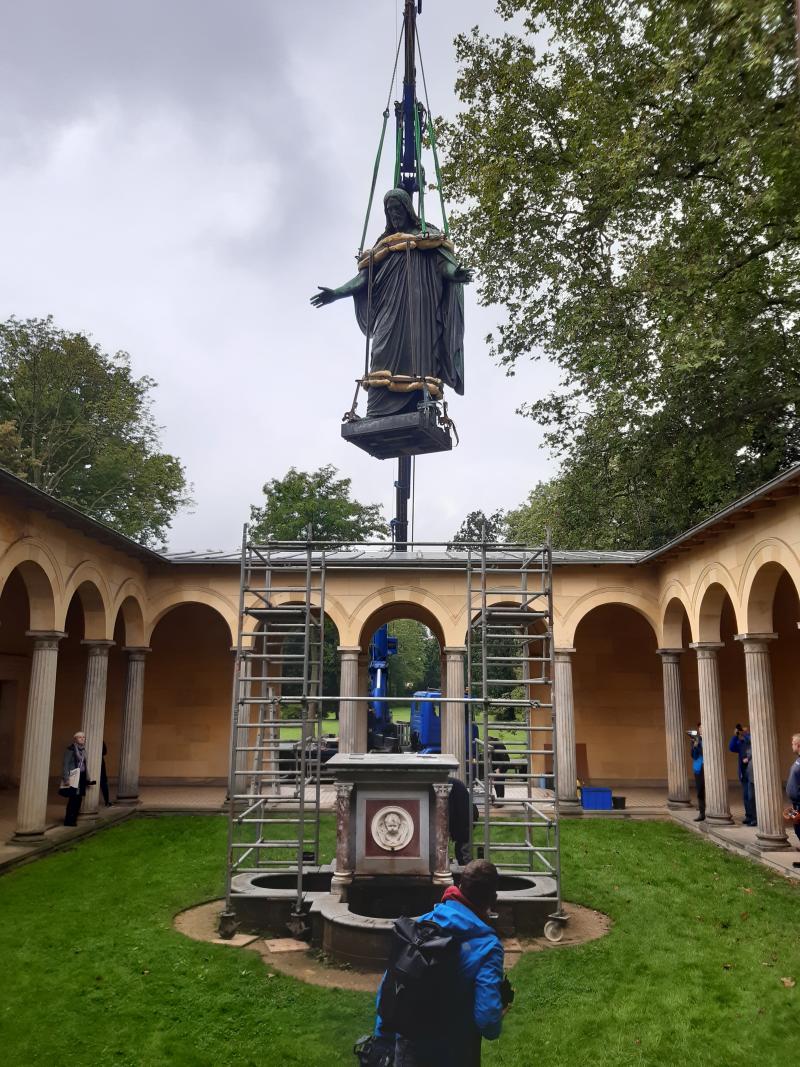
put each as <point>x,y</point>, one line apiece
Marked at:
<point>32,804</point>
<point>564,746</point>
<point>352,718</point>
<point>441,873</point>
<point>343,875</point>
<point>770,834</point>
<point>94,718</point>
<point>453,715</point>
<point>132,711</point>
<point>677,777</point>
<point>714,747</point>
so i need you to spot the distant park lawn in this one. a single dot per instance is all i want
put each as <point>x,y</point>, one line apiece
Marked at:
<point>691,973</point>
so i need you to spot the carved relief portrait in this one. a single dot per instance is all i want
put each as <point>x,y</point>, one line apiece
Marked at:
<point>392,828</point>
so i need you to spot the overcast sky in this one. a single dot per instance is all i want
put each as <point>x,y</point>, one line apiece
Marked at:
<point>178,176</point>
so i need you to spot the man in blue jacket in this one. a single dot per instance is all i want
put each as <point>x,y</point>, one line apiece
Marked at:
<point>793,785</point>
<point>463,912</point>
<point>742,745</point>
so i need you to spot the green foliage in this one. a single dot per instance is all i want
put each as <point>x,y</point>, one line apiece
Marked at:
<point>478,525</point>
<point>317,498</point>
<point>407,669</point>
<point>75,423</point>
<point>689,973</point>
<point>628,177</point>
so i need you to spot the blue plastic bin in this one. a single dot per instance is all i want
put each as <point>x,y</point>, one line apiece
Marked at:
<point>596,799</point>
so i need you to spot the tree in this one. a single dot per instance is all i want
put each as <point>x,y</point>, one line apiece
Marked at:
<point>407,668</point>
<point>75,423</point>
<point>318,498</point>
<point>478,524</point>
<point>629,194</point>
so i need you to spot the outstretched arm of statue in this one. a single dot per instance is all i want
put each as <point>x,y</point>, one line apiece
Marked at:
<point>454,272</point>
<point>327,296</point>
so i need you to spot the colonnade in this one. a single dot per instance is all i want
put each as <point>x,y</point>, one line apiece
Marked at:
<point>35,771</point>
<point>770,834</point>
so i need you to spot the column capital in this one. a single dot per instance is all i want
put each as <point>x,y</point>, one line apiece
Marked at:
<point>97,647</point>
<point>670,654</point>
<point>564,654</point>
<point>136,651</point>
<point>707,649</point>
<point>349,650</point>
<point>46,638</point>
<point>455,650</point>
<point>751,641</point>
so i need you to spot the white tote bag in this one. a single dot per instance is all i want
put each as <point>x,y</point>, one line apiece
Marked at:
<point>74,779</point>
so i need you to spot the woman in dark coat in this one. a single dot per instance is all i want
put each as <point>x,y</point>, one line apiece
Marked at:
<point>75,759</point>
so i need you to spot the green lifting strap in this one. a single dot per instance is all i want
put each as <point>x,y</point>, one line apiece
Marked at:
<point>420,181</point>
<point>397,153</point>
<point>374,180</point>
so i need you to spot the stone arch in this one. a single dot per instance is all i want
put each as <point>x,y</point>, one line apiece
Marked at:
<point>707,602</point>
<point>709,612</point>
<point>193,595</point>
<point>333,609</point>
<point>91,588</point>
<point>763,569</point>
<point>675,615</point>
<point>39,571</point>
<point>618,696</point>
<point>399,609</point>
<point>609,595</point>
<point>186,714</point>
<point>132,620</point>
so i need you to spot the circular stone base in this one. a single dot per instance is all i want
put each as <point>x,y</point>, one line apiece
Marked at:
<point>309,965</point>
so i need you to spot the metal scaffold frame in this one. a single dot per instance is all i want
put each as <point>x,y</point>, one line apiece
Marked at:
<point>510,671</point>
<point>274,792</point>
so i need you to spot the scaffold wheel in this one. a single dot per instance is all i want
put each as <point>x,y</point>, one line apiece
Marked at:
<point>553,930</point>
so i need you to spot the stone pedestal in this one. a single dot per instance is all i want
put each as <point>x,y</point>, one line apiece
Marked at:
<point>770,834</point>
<point>674,729</point>
<point>132,711</point>
<point>32,804</point>
<point>714,745</point>
<point>93,720</point>
<point>352,717</point>
<point>564,700</point>
<point>391,821</point>
<point>454,727</point>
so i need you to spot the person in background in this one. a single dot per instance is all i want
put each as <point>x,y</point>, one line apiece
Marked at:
<point>75,759</point>
<point>699,774</point>
<point>500,765</point>
<point>793,786</point>
<point>741,744</point>
<point>104,777</point>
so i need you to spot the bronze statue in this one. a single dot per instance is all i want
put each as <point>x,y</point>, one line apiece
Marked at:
<point>416,312</point>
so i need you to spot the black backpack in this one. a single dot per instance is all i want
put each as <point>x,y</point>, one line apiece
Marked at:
<point>422,987</point>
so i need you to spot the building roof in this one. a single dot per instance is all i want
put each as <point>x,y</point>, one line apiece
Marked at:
<point>29,496</point>
<point>430,555</point>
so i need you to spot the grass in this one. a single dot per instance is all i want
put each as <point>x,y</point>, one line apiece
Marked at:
<point>690,973</point>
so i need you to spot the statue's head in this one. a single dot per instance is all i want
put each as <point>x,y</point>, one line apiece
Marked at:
<point>400,214</point>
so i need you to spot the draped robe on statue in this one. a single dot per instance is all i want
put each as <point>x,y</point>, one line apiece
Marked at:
<point>421,336</point>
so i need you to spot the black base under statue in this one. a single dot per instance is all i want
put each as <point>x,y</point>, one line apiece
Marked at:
<point>414,433</point>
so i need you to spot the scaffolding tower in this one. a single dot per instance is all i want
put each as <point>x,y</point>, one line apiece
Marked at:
<point>512,736</point>
<point>274,787</point>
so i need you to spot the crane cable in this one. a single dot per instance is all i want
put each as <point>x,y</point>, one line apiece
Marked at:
<point>380,149</point>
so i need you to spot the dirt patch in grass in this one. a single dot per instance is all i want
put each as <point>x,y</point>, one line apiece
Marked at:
<point>200,924</point>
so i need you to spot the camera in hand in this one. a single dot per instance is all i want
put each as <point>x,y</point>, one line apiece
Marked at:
<point>506,993</point>
<point>692,734</point>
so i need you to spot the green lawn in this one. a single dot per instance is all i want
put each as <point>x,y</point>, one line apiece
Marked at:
<point>690,974</point>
